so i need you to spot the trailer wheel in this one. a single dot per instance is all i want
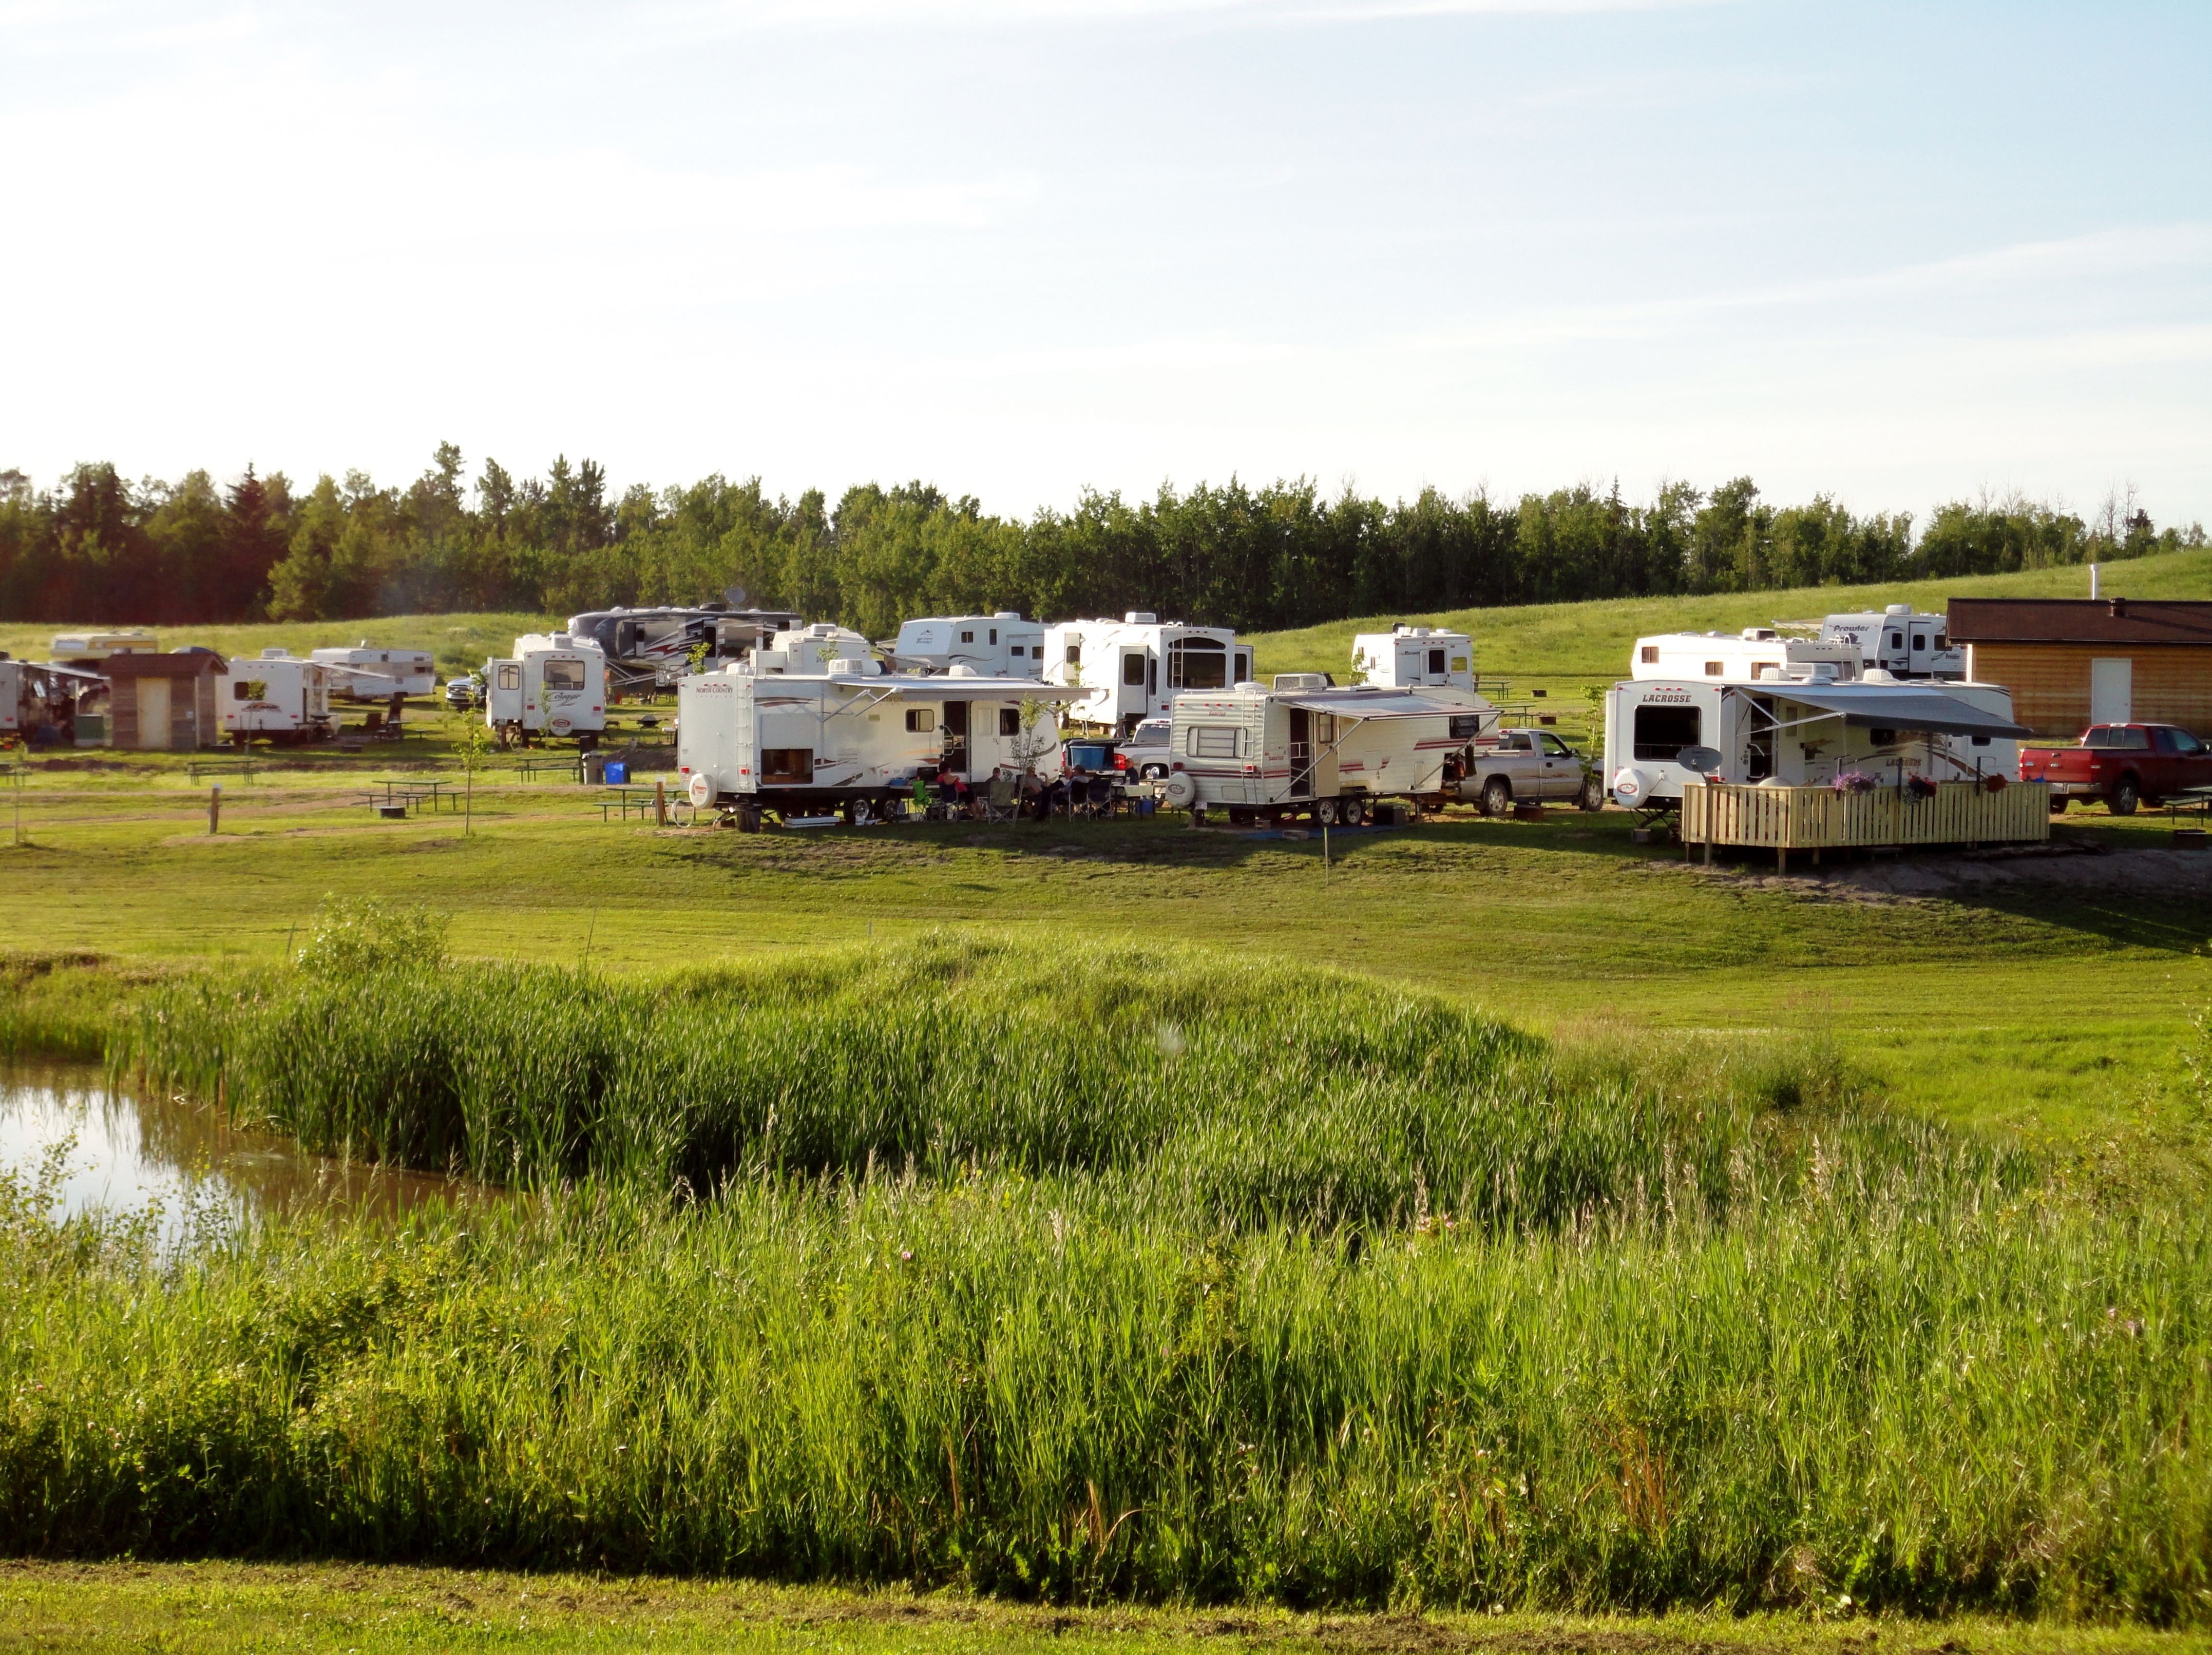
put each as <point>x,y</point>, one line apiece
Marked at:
<point>2058,804</point>
<point>1497,796</point>
<point>2125,797</point>
<point>1593,794</point>
<point>1351,813</point>
<point>1325,813</point>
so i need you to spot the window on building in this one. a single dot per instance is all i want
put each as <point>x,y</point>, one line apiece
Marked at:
<point>1010,721</point>
<point>1662,732</point>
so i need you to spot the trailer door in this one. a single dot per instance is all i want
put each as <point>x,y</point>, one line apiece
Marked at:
<point>956,737</point>
<point>1302,754</point>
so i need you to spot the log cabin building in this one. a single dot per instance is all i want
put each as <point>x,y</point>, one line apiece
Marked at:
<point>2071,662</point>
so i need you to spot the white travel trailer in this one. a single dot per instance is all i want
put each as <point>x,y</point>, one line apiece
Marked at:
<point>1755,652</point>
<point>1801,731</point>
<point>1133,669</point>
<point>1899,640</point>
<point>649,649</point>
<point>1302,748</point>
<point>277,696</point>
<point>997,645</point>
<point>553,685</point>
<point>761,736</point>
<point>1415,658</point>
<point>372,674</point>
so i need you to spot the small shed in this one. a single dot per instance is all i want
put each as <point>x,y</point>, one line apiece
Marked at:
<point>159,703</point>
<point>2072,661</point>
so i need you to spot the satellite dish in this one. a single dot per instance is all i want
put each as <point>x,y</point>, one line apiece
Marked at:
<point>736,595</point>
<point>1702,760</point>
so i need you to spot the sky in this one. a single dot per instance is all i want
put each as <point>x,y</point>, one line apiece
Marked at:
<point>1897,254</point>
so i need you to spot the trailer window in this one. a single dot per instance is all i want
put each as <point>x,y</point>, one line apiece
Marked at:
<point>1897,641</point>
<point>1198,663</point>
<point>564,675</point>
<point>1019,653</point>
<point>1010,721</point>
<point>921,720</point>
<point>1459,664</point>
<point>1436,660</point>
<point>1649,654</point>
<point>1663,731</point>
<point>1466,727</point>
<point>1714,668</point>
<point>787,765</point>
<point>1213,740</point>
<point>968,637</point>
<point>1132,669</point>
<point>1075,654</point>
<point>1243,666</point>
<point>510,676</point>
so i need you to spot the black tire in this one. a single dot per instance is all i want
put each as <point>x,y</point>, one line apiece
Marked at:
<point>1593,794</point>
<point>1498,796</point>
<point>2058,804</point>
<point>2125,797</point>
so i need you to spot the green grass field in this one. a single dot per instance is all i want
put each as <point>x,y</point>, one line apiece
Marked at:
<point>364,1609</point>
<point>2045,1010</point>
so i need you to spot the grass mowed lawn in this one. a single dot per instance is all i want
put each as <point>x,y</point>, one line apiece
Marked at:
<point>362,1608</point>
<point>2052,1008</point>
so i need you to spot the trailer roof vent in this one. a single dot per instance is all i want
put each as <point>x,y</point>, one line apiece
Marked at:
<point>847,666</point>
<point>275,652</point>
<point>962,670</point>
<point>1302,680</point>
<point>1758,634</point>
<point>1140,618</point>
<point>1007,614</point>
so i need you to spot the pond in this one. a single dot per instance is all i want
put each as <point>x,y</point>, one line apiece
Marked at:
<point>129,1149</point>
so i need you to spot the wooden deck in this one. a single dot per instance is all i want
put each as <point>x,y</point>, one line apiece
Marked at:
<point>1815,819</point>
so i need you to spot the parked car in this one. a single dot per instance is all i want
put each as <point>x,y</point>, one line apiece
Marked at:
<point>2123,764</point>
<point>1528,766</point>
<point>1145,754</point>
<point>460,693</point>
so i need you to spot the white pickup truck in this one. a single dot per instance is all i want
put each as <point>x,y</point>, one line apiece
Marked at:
<point>1524,766</point>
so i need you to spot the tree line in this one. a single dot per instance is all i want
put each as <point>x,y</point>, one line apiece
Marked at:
<point>98,548</point>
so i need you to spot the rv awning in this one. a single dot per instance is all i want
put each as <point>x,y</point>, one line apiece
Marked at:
<point>1356,704</point>
<point>1879,706</point>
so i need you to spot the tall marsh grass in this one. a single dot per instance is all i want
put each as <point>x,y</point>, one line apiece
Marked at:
<point>1252,1091</point>
<point>981,1382</point>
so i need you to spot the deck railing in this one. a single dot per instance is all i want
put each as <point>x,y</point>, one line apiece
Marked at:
<point>1820,818</point>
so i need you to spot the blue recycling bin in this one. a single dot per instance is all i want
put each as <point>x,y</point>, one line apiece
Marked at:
<point>617,772</point>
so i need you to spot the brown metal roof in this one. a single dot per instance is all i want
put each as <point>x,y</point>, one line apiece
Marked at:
<point>182,664</point>
<point>2078,620</point>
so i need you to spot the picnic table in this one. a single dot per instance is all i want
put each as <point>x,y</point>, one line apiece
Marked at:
<point>636,797</point>
<point>2198,799</point>
<point>529,768</point>
<point>410,793</point>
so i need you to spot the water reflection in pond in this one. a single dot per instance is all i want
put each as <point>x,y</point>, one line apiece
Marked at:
<point>133,1149</point>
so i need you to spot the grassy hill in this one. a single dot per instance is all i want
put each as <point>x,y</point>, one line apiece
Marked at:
<point>1590,641</point>
<point>461,642</point>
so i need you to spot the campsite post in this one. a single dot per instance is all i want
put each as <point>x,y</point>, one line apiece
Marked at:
<point>660,803</point>
<point>215,808</point>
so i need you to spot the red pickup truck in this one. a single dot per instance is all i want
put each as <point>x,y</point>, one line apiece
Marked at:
<point>2123,764</point>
